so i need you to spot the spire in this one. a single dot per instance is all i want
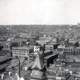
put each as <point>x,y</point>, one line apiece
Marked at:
<point>37,63</point>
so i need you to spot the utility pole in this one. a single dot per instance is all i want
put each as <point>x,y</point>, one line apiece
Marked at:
<point>19,66</point>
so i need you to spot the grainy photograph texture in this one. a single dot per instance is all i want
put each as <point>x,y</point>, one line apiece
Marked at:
<point>39,40</point>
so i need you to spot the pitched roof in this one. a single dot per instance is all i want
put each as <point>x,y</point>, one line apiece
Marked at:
<point>37,63</point>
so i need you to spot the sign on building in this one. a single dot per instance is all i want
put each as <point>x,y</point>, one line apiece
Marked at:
<point>20,51</point>
<point>36,48</point>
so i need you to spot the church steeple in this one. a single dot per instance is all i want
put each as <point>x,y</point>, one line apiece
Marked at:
<point>38,64</point>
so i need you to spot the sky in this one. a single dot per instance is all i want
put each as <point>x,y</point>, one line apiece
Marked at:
<point>39,12</point>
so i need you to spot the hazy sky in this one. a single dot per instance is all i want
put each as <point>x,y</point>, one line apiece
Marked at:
<point>39,11</point>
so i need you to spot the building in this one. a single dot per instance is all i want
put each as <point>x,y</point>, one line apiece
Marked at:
<point>5,59</point>
<point>57,72</point>
<point>20,51</point>
<point>37,68</point>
